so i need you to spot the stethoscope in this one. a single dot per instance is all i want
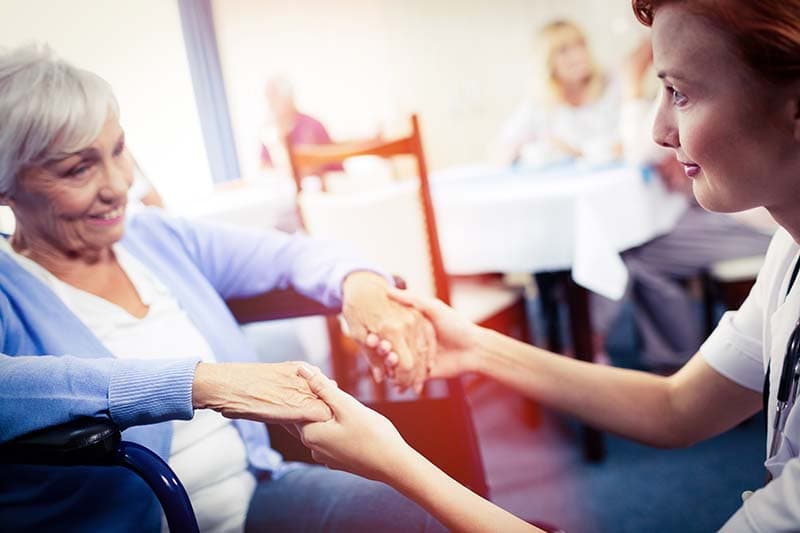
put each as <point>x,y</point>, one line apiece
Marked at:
<point>787,388</point>
<point>789,380</point>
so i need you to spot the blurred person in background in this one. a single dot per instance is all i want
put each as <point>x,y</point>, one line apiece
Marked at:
<point>285,123</point>
<point>576,114</point>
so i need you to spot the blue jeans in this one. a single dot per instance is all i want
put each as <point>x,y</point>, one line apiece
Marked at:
<point>313,498</point>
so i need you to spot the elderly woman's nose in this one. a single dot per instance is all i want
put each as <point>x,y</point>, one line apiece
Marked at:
<point>116,181</point>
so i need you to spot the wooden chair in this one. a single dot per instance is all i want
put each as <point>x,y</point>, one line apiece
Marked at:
<point>394,225</point>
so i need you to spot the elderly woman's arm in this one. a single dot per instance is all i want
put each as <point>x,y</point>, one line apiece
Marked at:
<point>41,391</point>
<point>243,262</point>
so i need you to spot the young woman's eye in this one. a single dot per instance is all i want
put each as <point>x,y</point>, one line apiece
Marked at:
<point>676,97</point>
<point>119,149</point>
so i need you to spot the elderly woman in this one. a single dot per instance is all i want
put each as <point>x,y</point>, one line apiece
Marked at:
<point>107,316</point>
<point>730,112</point>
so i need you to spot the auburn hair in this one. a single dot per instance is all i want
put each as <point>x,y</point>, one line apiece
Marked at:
<point>765,33</point>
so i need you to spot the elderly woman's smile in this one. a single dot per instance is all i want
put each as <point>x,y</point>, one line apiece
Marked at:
<point>109,218</point>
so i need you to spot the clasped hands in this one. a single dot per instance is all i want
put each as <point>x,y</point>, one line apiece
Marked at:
<point>408,339</point>
<point>399,342</point>
<point>360,440</point>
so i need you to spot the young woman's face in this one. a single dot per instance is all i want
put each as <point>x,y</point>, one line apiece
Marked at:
<point>732,131</point>
<point>77,203</point>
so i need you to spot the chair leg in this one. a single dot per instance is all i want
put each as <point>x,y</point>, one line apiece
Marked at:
<point>547,283</point>
<point>709,302</point>
<point>581,327</point>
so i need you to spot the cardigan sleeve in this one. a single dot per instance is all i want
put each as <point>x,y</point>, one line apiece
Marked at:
<point>242,261</point>
<point>38,391</point>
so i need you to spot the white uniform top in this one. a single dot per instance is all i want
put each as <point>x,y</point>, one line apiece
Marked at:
<point>740,348</point>
<point>219,485</point>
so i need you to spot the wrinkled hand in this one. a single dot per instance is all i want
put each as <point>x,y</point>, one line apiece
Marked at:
<point>356,439</point>
<point>398,339</point>
<point>456,336</point>
<point>257,391</point>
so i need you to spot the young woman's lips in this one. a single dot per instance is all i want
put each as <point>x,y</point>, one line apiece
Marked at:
<point>691,169</point>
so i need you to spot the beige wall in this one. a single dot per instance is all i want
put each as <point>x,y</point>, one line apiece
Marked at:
<point>462,65</point>
<point>138,47</point>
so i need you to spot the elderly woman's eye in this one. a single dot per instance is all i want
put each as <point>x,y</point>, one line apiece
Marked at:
<point>79,170</point>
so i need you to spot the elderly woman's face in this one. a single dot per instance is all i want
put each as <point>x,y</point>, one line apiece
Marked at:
<point>731,130</point>
<point>77,203</point>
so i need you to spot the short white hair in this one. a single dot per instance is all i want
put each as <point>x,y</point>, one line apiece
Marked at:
<point>48,109</point>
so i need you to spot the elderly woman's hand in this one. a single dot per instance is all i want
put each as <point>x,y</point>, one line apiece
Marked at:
<point>457,337</point>
<point>356,439</point>
<point>398,338</point>
<point>257,391</point>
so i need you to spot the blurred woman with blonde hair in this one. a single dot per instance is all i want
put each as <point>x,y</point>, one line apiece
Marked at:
<point>575,114</point>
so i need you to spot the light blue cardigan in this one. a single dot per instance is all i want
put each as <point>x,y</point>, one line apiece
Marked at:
<point>52,368</point>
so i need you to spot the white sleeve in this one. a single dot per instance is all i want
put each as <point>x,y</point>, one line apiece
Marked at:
<point>775,507</point>
<point>735,348</point>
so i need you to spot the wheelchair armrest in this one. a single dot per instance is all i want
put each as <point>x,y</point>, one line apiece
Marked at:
<point>80,442</point>
<point>274,305</point>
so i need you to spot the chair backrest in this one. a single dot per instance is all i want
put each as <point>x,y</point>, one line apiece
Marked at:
<point>395,226</point>
<point>304,157</point>
<point>384,225</point>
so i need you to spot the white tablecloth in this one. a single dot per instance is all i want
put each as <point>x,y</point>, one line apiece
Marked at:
<point>495,220</point>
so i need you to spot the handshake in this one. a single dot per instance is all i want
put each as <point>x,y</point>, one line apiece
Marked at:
<point>412,339</point>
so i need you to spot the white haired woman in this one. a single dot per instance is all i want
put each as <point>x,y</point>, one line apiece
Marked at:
<point>104,315</point>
